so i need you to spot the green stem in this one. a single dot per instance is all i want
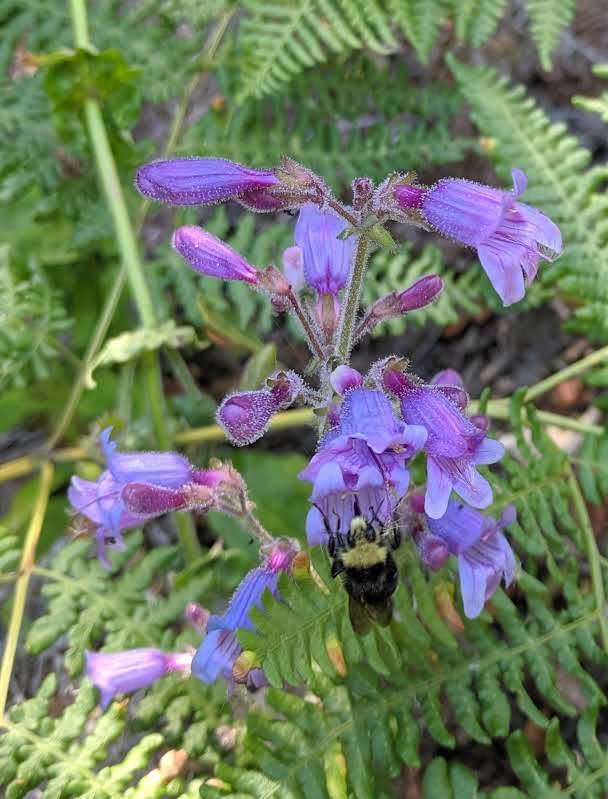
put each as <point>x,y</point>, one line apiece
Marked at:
<point>127,244</point>
<point>353,297</point>
<point>564,374</point>
<point>500,409</point>
<point>28,556</point>
<point>593,555</point>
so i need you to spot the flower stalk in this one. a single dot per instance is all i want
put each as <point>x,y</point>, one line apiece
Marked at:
<point>353,297</point>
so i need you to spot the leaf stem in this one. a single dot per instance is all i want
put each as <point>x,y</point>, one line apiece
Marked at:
<point>593,555</point>
<point>28,556</point>
<point>575,368</point>
<point>127,244</point>
<point>311,337</point>
<point>353,297</point>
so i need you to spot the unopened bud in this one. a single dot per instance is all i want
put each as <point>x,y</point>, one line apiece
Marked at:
<point>363,189</point>
<point>433,551</point>
<point>336,655</point>
<point>143,499</point>
<point>274,282</point>
<point>244,663</point>
<point>344,378</point>
<point>197,616</point>
<point>300,566</point>
<point>421,293</point>
<point>210,256</point>
<point>444,596</point>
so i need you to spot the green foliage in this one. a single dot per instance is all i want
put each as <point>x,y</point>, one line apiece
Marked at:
<point>438,684</point>
<point>31,319</point>
<point>476,20</point>
<point>596,105</point>
<point>561,185</point>
<point>548,21</point>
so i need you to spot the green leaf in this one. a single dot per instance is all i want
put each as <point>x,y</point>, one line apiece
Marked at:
<point>127,346</point>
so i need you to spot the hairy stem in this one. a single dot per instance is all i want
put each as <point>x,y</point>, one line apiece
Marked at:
<point>343,211</point>
<point>311,336</point>
<point>353,297</point>
<point>28,556</point>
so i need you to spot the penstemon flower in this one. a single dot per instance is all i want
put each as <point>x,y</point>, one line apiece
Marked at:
<point>124,672</point>
<point>484,554</point>
<point>220,648</point>
<point>454,445</point>
<point>365,457</point>
<point>510,237</point>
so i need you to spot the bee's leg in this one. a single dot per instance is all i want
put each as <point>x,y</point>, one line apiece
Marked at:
<point>332,546</point>
<point>356,506</point>
<point>340,541</point>
<point>350,539</point>
<point>370,533</point>
<point>337,567</point>
<point>395,538</point>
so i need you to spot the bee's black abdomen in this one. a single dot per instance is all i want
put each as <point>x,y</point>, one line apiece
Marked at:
<point>372,585</point>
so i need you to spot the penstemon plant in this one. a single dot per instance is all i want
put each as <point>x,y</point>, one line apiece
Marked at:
<point>410,601</point>
<point>371,427</point>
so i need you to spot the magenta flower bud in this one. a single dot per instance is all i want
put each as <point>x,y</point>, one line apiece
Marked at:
<point>124,672</point>
<point>210,256</point>
<point>197,616</point>
<point>245,416</point>
<point>293,267</point>
<point>450,383</point>
<point>510,237</point>
<point>151,500</point>
<point>421,293</point>
<point>345,378</point>
<point>481,421</point>
<point>433,551</point>
<point>363,190</point>
<point>200,181</point>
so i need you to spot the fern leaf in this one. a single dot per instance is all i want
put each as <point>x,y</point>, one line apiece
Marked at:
<point>596,105</point>
<point>420,20</point>
<point>548,20</point>
<point>475,21</point>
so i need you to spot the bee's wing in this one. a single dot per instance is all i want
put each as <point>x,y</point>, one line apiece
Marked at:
<point>359,616</point>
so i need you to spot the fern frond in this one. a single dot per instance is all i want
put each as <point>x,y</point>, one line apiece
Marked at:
<point>475,21</point>
<point>548,21</point>
<point>561,186</point>
<point>596,105</point>
<point>420,21</point>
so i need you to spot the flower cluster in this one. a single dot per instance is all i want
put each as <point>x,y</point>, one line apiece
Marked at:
<point>371,426</point>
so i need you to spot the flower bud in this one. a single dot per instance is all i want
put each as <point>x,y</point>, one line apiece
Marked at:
<point>344,378</point>
<point>421,293</point>
<point>245,416</point>
<point>274,282</point>
<point>244,663</point>
<point>197,616</point>
<point>200,181</point>
<point>327,311</point>
<point>151,500</point>
<point>300,566</point>
<point>210,256</point>
<point>336,655</point>
<point>363,189</point>
<point>293,267</point>
<point>433,551</point>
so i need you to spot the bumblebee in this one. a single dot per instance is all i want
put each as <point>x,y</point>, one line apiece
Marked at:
<point>363,556</point>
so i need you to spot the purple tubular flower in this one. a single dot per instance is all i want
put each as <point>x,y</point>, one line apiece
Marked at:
<point>210,256</point>
<point>454,445</point>
<point>327,259</point>
<point>364,457</point>
<point>200,181</point>
<point>484,554</point>
<point>220,647</point>
<point>510,237</point>
<point>124,672</point>
<point>152,480</point>
<point>245,416</point>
